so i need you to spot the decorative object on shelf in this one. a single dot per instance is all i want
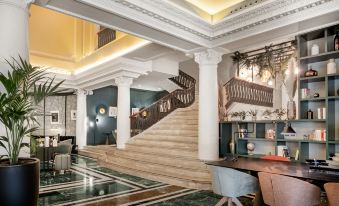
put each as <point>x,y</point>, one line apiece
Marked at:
<point>291,110</point>
<point>270,61</point>
<point>282,151</point>
<point>253,114</point>
<point>290,84</point>
<point>321,113</point>
<point>243,133</point>
<point>316,95</point>
<point>305,92</point>
<point>336,40</point>
<point>238,90</point>
<point>288,132</point>
<point>270,134</point>
<point>315,49</point>
<point>232,145</point>
<point>250,148</point>
<point>331,67</point>
<point>279,113</point>
<point>309,114</point>
<point>319,135</point>
<point>311,72</point>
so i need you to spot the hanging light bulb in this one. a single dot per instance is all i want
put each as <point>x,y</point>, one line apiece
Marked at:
<point>265,75</point>
<point>270,82</point>
<point>243,73</point>
<point>255,69</point>
<point>287,72</point>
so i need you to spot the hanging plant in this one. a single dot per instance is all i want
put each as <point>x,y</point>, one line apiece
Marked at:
<point>271,60</point>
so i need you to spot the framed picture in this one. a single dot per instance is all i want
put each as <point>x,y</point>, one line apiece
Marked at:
<point>54,117</point>
<point>113,111</point>
<point>73,114</point>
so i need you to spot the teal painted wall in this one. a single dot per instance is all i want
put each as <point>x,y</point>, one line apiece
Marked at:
<point>107,97</point>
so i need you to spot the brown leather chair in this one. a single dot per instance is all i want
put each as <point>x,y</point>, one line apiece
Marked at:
<point>279,190</point>
<point>332,193</point>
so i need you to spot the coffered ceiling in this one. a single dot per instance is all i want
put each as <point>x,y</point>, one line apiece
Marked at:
<point>190,26</point>
<point>214,6</point>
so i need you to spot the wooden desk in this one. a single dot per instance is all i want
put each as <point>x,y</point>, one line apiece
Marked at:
<point>292,169</point>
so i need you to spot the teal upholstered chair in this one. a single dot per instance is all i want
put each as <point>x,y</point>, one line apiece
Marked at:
<point>231,184</point>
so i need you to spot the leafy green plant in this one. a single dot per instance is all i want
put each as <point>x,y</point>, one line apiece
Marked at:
<point>24,87</point>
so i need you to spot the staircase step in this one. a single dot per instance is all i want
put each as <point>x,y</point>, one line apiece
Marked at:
<point>91,154</point>
<point>181,121</point>
<point>170,171</point>
<point>165,126</point>
<point>170,151</point>
<point>172,138</point>
<point>164,144</point>
<point>180,132</point>
<point>200,184</point>
<point>188,163</point>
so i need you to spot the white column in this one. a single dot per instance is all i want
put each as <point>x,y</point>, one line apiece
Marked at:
<point>208,144</point>
<point>14,30</point>
<point>81,121</point>
<point>123,118</point>
<point>13,40</point>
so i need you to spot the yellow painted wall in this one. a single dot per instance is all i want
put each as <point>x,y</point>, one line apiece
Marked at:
<point>61,41</point>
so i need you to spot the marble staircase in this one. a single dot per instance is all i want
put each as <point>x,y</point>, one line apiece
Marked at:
<point>166,152</point>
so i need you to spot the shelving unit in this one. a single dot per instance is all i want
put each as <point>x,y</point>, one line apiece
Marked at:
<point>324,84</point>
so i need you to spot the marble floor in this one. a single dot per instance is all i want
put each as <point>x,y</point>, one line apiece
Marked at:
<point>89,184</point>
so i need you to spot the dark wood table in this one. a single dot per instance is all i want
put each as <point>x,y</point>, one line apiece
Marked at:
<point>292,169</point>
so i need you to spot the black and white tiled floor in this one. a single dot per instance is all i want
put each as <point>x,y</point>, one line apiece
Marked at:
<point>89,184</point>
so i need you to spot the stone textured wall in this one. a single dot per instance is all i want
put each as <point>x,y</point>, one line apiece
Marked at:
<point>65,127</point>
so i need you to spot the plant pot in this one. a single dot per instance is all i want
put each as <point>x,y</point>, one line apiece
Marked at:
<point>19,184</point>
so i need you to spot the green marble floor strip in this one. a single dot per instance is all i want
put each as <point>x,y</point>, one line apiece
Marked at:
<point>160,198</point>
<point>129,198</point>
<point>142,182</point>
<point>77,195</point>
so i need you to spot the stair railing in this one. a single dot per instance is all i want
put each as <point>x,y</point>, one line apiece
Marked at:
<point>179,98</point>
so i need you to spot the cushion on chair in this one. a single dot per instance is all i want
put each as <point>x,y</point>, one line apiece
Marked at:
<point>62,162</point>
<point>332,192</point>
<point>232,183</point>
<point>67,141</point>
<point>294,192</point>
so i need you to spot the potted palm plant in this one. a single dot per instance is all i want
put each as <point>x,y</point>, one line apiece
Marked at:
<point>24,86</point>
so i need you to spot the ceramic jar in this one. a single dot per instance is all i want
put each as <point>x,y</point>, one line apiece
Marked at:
<point>311,73</point>
<point>331,67</point>
<point>314,49</point>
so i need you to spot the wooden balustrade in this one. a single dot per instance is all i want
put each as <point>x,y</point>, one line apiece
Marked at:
<point>105,36</point>
<point>242,91</point>
<point>179,98</point>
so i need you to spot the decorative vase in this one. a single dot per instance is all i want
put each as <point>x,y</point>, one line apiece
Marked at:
<point>331,67</point>
<point>250,147</point>
<point>232,146</point>
<point>291,110</point>
<point>314,49</point>
<point>311,73</point>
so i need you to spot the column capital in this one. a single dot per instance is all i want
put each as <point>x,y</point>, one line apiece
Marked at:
<point>83,92</point>
<point>209,56</point>
<point>124,81</point>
